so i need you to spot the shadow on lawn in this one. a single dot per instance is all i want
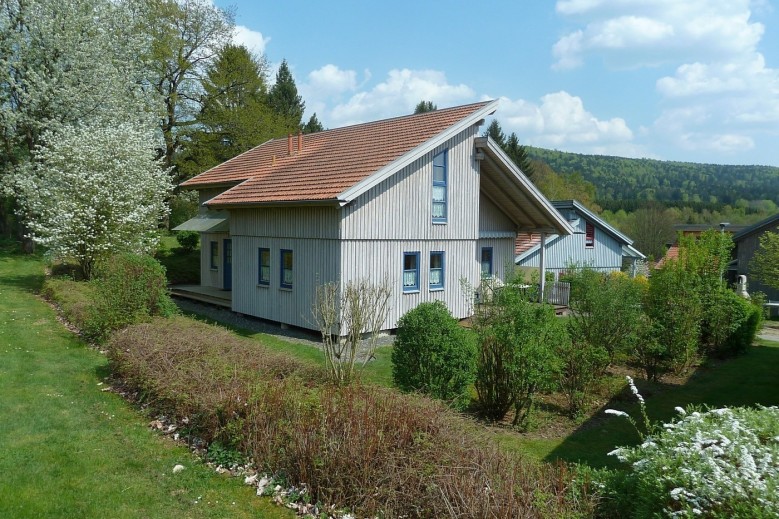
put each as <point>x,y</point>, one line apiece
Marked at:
<point>748,380</point>
<point>26,282</point>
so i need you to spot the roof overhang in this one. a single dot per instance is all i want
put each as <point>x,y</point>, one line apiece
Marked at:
<point>289,203</point>
<point>429,145</point>
<point>535,248</point>
<point>629,251</point>
<point>212,221</point>
<point>508,188</point>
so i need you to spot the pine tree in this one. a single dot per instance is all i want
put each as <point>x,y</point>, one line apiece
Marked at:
<point>284,99</point>
<point>495,132</point>
<point>518,154</point>
<point>425,106</point>
<point>313,125</point>
<point>235,116</point>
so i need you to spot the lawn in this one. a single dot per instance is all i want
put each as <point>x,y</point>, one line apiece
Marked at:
<point>72,450</point>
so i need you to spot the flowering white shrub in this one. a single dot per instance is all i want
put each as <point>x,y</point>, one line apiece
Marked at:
<point>717,463</point>
<point>94,191</point>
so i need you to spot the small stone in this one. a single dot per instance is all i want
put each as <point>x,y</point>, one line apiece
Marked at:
<point>178,468</point>
<point>250,480</point>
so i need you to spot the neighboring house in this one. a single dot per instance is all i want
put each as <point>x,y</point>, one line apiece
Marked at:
<point>693,230</point>
<point>420,200</point>
<point>747,242</point>
<point>594,243</point>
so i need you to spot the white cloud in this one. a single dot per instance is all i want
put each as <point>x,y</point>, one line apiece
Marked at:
<point>397,95</point>
<point>629,34</point>
<point>330,80</point>
<point>561,121</point>
<point>252,40</point>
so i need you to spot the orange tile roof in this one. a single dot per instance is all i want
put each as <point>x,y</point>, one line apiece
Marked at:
<point>330,162</point>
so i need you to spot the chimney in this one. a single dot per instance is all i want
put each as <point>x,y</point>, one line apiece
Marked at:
<point>289,144</point>
<point>300,141</point>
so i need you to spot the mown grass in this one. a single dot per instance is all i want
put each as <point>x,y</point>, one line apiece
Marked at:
<point>72,450</point>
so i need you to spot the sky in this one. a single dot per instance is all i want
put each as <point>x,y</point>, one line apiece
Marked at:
<point>686,80</point>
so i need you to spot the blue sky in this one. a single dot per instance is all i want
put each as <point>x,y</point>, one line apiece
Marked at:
<point>690,80</point>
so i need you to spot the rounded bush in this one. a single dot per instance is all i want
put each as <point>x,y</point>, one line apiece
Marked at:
<point>189,240</point>
<point>434,355</point>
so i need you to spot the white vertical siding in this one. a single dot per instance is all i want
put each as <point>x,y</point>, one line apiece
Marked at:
<point>401,207</point>
<point>311,233</point>
<point>204,195</point>
<point>606,255</point>
<point>491,218</point>
<point>502,256</point>
<point>375,259</point>
<point>211,277</point>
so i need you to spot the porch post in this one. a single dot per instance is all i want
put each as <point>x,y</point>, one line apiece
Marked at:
<point>542,266</point>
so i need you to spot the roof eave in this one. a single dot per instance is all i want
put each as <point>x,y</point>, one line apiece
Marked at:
<point>562,226</point>
<point>331,202</point>
<point>393,167</point>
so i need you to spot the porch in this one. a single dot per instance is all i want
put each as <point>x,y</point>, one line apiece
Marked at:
<point>211,295</point>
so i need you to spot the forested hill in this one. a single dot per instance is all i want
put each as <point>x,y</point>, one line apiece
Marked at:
<point>617,178</point>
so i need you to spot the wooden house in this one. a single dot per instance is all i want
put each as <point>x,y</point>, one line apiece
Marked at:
<point>422,199</point>
<point>747,242</point>
<point>594,243</point>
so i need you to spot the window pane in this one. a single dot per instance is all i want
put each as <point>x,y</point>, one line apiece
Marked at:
<point>436,276</point>
<point>409,278</point>
<point>436,260</point>
<point>439,174</point>
<point>265,274</point>
<point>286,268</point>
<point>409,262</point>
<point>439,193</point>
<point>439,210</point>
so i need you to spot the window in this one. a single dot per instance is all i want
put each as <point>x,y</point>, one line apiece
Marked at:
<point>214,255</point>
<point>410,272</point>
<point>263,269</point>
<point>486,262</point>
<point>439,188</point>
<point>286,268</point>
<point>436,278</point>
<point>589,235</point>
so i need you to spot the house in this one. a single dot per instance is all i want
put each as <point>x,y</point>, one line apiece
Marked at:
<point>747,242</point>
<point>693,230</point>
<point>422,200</point>
<point>594,243</point>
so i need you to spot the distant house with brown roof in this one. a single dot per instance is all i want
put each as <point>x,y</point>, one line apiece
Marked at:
<point>747,242</point>
<point>421,199</point>
<point>695,230</point>
<point>594,243</point>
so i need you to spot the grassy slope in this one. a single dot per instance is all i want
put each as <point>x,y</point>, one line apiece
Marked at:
<point>70,450</point>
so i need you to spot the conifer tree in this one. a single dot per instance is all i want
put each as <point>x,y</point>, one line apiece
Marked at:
<point>495,132</point>
<point>284,99</point>
<point>425,106</point>
<point>313,125</point>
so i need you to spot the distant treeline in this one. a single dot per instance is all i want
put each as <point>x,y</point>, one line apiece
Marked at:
<point>623,183</point>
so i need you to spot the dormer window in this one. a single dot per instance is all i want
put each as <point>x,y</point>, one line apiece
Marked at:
<point>440,175</point>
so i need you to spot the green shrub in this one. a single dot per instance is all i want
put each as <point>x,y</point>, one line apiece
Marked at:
<point>434,355</point>
<point>377,451</point>
<point>729,325</point>
<point>718,463</point>
<point>516,359</point>
<point>129,288</point>
<point>188,240</point>
<point>670,333</point>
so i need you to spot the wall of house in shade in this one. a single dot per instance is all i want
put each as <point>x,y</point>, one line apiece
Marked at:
<point>605,255</point>
<point>311,233</point>
<point>212,275</point>
<point>745,251</point>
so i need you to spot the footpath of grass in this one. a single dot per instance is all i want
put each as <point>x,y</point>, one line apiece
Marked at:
<point>70,450</point>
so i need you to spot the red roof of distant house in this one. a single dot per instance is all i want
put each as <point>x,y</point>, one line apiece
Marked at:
<point>526,241</point>
<point>328,163</point>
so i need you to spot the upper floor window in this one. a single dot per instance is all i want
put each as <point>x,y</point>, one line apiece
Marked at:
<point>436,276</point>
<point>589,235</point>
<point>214,255</point>
<point>286,268</point>
<point>486,262</point>
<point>410,272</point>
<point>263,274</point>
<point>440,177</point>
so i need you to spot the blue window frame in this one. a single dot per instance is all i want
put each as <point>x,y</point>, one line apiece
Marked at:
<point>440,177</point>
<point>286,268</point>
<point>436,276</point>
<point>214,255</point>
<point>411,272</point>
<point>263,267</point>
<point>486,262</point>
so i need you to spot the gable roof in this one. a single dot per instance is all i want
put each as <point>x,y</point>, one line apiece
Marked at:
<point>526,245</point>
<point>334,166</point>
<point>759,226</point>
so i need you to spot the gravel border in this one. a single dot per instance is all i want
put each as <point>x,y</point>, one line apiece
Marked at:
<point>290,334</point>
